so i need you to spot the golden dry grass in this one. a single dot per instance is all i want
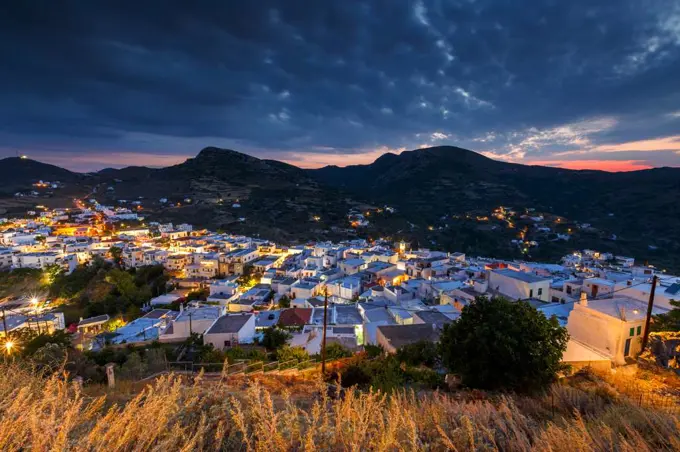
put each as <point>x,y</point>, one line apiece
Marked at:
<point>170,414</point>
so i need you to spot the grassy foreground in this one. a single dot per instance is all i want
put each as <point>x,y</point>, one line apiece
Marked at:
<point>170,414</point>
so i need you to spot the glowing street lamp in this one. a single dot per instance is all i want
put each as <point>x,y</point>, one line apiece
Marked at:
<point>9,346</point>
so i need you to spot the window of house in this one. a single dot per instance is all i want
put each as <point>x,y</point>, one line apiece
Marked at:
<point>531,293</point>
<point>540,291</point>
<point>569,290</point>
<point>639,330</point>
<point>632,331</point>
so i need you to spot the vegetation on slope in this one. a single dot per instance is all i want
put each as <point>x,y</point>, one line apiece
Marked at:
<point>52,412</point>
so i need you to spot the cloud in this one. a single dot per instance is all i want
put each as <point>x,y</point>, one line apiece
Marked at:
<point>292,80</point>
<point>659,144</point>
<point>437,136</point>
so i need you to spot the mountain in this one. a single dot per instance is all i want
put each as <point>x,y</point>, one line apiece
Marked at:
<point>436,191</point>
<point>276,199</point>
<point>443,180</point>
<point>19,173</point>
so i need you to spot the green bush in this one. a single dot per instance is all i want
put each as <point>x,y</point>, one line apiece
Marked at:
<point>498,344</point>
<point>288,353</point>
<point>424,353</point>
<point>274,338</point>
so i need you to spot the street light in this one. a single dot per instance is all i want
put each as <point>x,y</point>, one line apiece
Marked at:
<point>9,345</point>
<point>34,300</point>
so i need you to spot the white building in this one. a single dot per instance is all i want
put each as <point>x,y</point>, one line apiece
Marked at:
<point>613,326</point>
<point>231,330</point>
<point>519,285</point>
<point>189,321</point>
<point>36,260</point>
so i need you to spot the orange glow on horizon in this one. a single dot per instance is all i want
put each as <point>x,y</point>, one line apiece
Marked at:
<point>613,166</point>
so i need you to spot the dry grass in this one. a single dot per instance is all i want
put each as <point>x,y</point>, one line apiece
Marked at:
<point>170,414</point>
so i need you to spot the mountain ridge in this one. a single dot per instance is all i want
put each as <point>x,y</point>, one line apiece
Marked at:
<point>427,186</point>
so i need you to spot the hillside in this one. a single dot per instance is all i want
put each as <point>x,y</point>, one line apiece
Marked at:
<point>18,173</point>
<point>275,199</point>
<point>634,213</point>
<point>639,208</point>
<point>443,179</point>
<point>51,412</point>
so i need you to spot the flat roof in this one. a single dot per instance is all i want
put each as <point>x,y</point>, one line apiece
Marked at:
<point>400,335</point>
<point>620,307</point>
<point>522,276</point>
<point>347,315</point>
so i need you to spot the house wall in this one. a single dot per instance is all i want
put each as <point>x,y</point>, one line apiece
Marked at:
<point>384,343</point>
<point>517,289</point>
<point>605,333</point>
<point>596,289</point>
<point>181,329</point>
<point>244,336</point>
<point>371,330</point>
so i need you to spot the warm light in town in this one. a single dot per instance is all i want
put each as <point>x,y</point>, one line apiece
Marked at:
<point>9,345</point>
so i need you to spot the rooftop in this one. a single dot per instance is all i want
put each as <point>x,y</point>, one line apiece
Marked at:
<point>229,324</point>
<point>400,335</point>
<point>295,317</point>
<point>521,276</point>
<point>623,308</point>
<point>94,320</point>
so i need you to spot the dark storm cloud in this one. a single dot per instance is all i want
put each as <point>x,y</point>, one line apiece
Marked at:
<point>517,79</point>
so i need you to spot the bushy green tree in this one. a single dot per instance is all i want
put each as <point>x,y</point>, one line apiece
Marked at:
<point>373,351</point>
<point>424,353</point>
<point>31,342</point>
<point>669,321</point>
<point>337,351</point>
<point>498,344</point>
<point>288,353</point>
<point>273,338</point>
<point>284,302</point>
<point>117,256</point>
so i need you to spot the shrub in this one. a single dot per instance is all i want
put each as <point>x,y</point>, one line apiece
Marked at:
<point>373,351</point>
<point>288,353</point>
<point>274,338</point>
<point>498,344</point>
<point>424,353</point>
<point>337,351</point>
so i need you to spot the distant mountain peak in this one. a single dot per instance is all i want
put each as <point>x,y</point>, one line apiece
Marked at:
<point>215,152</point>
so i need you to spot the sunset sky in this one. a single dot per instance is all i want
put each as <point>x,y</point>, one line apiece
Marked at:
<point>575,84</point>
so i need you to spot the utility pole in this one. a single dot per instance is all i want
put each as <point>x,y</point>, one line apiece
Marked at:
<point>323,340</point>
<point>191,330</point>
<point>4,324</point>
<point>650,305</point>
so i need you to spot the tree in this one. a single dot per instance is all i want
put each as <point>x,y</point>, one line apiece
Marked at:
<point>498,344</point>
<point>287,353</point>
<point>337,351</point>
<point>50,274</point>
<point>284,302</point>
<point>274,338</point>
<point>669,321</point>
<point>117,256</point>
<point>421,352</point>
<point>31,343</point>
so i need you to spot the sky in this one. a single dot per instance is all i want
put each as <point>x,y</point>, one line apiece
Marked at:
<point>575,84</point>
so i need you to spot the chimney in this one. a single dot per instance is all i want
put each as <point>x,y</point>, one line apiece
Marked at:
<point>584,299</point>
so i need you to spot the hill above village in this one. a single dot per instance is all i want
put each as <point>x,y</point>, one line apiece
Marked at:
<point>634,212</point>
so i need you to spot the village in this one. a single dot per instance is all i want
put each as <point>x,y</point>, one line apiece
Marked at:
<point>231,289</point>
